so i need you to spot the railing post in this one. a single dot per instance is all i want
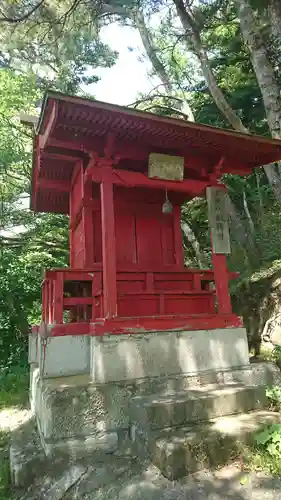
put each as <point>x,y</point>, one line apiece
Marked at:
<point>220,243</point>
<point>58,298</point>
<point>108,241</point>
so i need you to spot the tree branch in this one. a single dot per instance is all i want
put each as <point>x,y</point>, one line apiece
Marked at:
<point>15,20</point>
<point>192,34</point>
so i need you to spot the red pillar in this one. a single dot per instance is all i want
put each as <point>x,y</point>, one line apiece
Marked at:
<point>88,227</point>
<point>222,283</point>
<point>108,241</point>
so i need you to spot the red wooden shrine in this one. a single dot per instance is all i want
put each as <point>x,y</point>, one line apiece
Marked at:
<point>127,270</point>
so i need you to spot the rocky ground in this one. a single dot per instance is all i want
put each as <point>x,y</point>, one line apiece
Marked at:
<point>132,481</point>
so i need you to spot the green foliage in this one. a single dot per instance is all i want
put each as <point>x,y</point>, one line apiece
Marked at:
<point>274,393</point>
<point>28,242</point>
<point>276,356</point>
<point>59,43</point>
<point>270,439</point>
<point>258,459</point>
<point>13,397</point>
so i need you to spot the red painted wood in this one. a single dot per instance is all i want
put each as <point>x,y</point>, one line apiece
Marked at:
<point>162,304</point>
<point>167,240</point>
<point>89,236</point>
<point>148,234</point>
<point>97,306</point>
<point>179,253</point>
<point>97,232</point>
<point>58,298</point>
<point>78,242</point>
<point>35,172</point>
<point>77,301</point>
<point>149,282</point>
<point>222,283</point>
<point>70,238</point>
<point>44,301</point>
<point>126,246</point>
<point>141,304</point>
<point>108,244</point>
<point>87,217</point>
<point>123,326</point>
<point>50,125</point>
<point>76,192</point>
<point>197,282</point>
<point>131,179</point>
<point>56,185</point>
<point>51,308</point>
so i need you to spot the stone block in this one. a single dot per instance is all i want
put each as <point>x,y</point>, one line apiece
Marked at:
<point>155,354</point>
<point>75,416</point>
<point>63,356</point>
<point>179,409</point>
<point>103,442</point>
<point>34,382</point>
<point>33,348</point>
<point>180,452</point>
<point>55,484</point>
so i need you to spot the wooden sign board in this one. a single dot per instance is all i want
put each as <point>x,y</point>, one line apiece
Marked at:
<point>218,220</point>
<point>170,168</point>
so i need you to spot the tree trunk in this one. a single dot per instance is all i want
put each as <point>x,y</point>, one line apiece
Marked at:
<point>265,74</point>
<point>151,51</point>
<point>187,231</point>
<point>249,217</point>
<point>274,14</point>
<point>262,65</point>
<point>237,227</point>
<point>192,34</point>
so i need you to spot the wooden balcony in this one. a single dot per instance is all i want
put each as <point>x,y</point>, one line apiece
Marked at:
<point>73,299</point>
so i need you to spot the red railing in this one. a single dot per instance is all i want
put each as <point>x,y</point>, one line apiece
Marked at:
<point>76,295</point>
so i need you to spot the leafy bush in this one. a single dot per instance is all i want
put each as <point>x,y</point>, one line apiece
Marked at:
<point>276,353</point>
<point>274,395</point>
<point>270,439</point>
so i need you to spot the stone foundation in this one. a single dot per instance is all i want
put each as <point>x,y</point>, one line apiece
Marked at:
<point>85,392</point>
<point>154,354</point>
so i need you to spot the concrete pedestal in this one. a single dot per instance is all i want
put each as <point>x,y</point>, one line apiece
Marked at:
<point>156,354</point>
<point>81,388</point>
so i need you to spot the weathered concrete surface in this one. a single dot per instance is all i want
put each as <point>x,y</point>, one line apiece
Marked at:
<point>76,416</point>
<point>27,457</point>
<point>129,357</point>
<point>73,449</point>
<point>146,483</point>
<point>184,451</point>
<point>33,348</point>
<point>62,356</point>
<point>72,412</point>
<point>158,411</point>
<point>55,484</point>
<point>113,477</point>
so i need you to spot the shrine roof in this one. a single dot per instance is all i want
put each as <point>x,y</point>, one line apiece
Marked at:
<point>72,127</point>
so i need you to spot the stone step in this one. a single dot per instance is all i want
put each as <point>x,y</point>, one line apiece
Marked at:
<point>264,373</point>
<point>180,452</point>
<point>203,403</point>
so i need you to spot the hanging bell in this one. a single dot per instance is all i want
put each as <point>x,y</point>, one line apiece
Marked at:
<point>167,207</point>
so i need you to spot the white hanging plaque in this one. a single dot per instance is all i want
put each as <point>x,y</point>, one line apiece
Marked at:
<point>218,220</point>
<point>165,167</point>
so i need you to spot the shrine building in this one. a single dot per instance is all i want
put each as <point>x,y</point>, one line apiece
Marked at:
<point>127,312</point>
